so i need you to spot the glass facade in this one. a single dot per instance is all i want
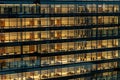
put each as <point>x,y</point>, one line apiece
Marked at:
<point>60,40</point>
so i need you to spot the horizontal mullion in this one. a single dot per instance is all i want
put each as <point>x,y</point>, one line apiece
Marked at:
<point>79,51</point>
<point>56,41</point>
<point>56,15</point>
<point>92,73</point>
<point>4,30</point>
<point>79,2</point>
<point>19,56</point>
<point>57,2</point>
<point>80,64</point>
<point>58,53</point>
<point>52,67</point>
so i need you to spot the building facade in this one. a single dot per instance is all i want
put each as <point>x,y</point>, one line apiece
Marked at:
<point>59,39</point>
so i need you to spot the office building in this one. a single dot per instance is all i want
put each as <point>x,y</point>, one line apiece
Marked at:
<point>59,39</point>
